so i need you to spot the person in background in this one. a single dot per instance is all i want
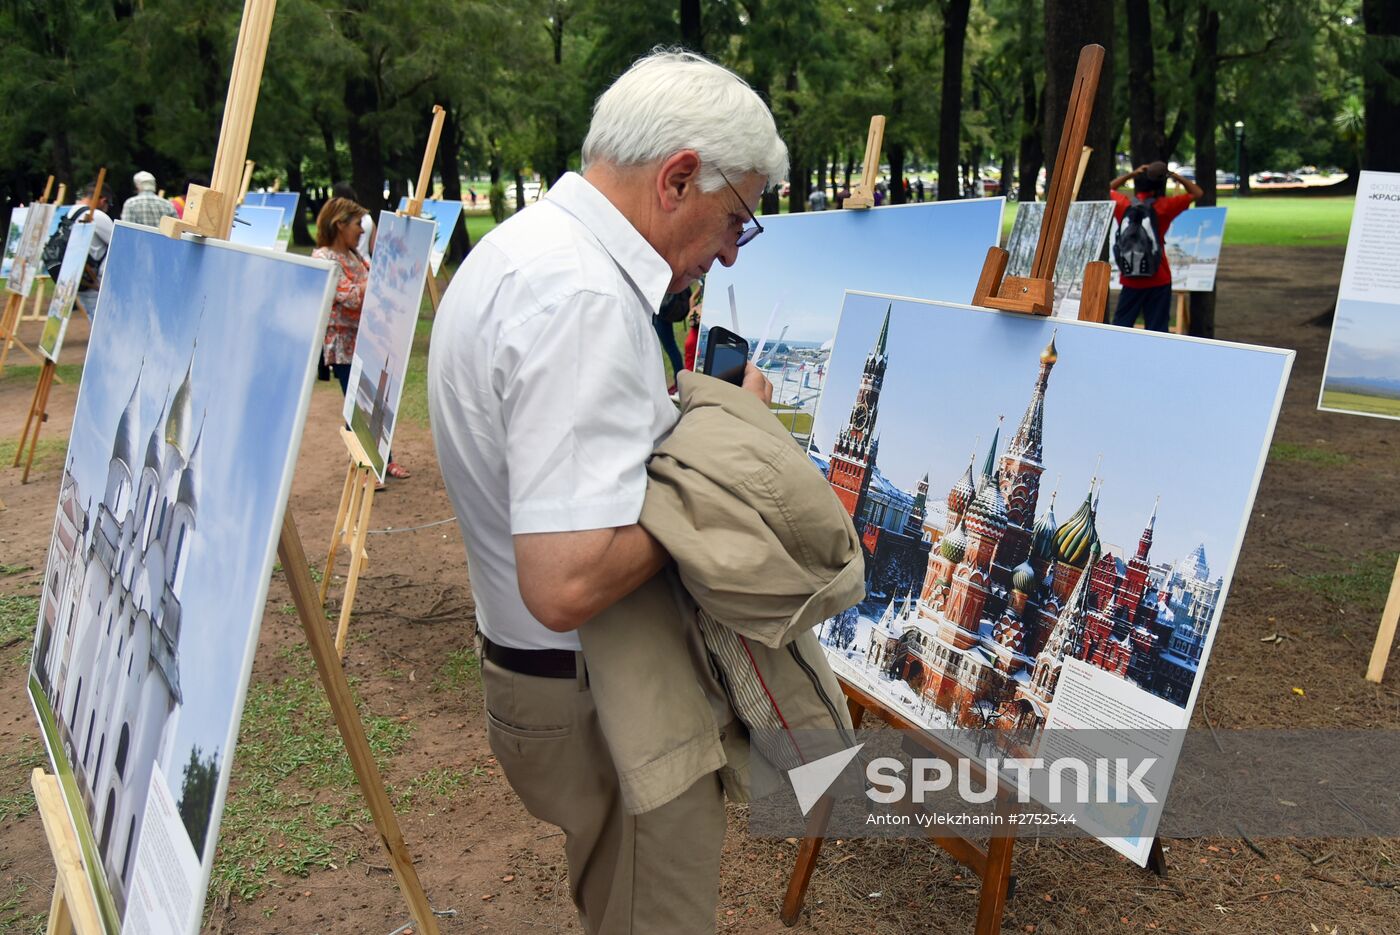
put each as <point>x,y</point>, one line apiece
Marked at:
<point>692,326</point>
<point>1151,295</point>
<point>366,242</point>
<point>674,308</point>
<point>102,227</point>
<point>337,239</point>
<point>817,198</point>
<point>146,207</point>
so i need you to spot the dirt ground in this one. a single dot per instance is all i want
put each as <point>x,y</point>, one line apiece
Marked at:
<point>1315,565</point>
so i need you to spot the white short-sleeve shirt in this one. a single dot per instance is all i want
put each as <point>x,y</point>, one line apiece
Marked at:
<point>546,389</point>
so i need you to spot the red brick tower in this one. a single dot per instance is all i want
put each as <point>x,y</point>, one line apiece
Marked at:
<point>853,456</point>
<point>1021,468</point>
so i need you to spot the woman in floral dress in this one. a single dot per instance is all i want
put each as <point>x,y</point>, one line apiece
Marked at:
<point>337,237</point>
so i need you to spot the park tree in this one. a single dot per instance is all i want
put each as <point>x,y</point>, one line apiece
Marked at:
<point>1069,26</point>
<point>198,787</point>
<point>1380,64</point>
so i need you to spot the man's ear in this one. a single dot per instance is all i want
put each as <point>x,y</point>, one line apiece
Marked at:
<point>678,178</point>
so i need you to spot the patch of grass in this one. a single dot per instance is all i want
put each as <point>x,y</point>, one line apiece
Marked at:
<point>47,450</point>
<point>1362,588</point>
<point>29,373</point>
<point>1307,454</point>
<point>294,785</point>
<point>440,782</point>
<point>16,798</point>
<point>13,920</point>
<point>19,615</point>
<point>1270,220</point>
<point>413,405</point>
<point>7,570</point>
<point>460,669</point>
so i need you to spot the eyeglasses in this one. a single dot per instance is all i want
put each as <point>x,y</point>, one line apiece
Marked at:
<point>748,233</point>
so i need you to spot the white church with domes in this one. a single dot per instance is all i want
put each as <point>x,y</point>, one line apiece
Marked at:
<point>108,649</point>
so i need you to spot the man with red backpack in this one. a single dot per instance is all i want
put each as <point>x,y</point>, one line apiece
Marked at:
<point>1139,249</point>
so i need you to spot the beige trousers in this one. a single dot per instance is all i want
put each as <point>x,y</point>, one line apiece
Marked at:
<point>651,874</point>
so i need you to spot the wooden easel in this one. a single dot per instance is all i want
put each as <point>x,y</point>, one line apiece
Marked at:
<point>14,307</point>
<point>39,404</point>
<point>357,497</point>
<point>1385,636</point>
<point>1034,294</point>
<point>38,310</point>
<point>1182,301</point>
<point>73,909</point>
<point>209,212</point>
<point>863,195</point>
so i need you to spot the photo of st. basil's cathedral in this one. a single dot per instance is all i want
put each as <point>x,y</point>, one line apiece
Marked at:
<point>979,610</point>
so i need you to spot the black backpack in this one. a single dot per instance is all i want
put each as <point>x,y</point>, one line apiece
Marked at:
<point>1138,247</point>
<point>57,245</point>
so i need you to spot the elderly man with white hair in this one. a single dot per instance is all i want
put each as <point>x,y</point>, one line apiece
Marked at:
<point>146,207</point>
<point>547,395</point>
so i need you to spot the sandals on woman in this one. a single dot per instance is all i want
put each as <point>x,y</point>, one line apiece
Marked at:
<point>397,471</point>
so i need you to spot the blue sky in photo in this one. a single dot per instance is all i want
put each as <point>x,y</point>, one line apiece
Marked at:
<point>258,320</point>
<point>397,276</point>
<point>933,250</point>
<point>1207,224</point>
<point>256,227</point>
<point>286,201</point>
<point>1187,420</point>
<point>446,214</point>
<point>1365,341</point>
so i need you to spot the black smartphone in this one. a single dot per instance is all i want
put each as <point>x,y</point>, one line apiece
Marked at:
<point>725,355</point>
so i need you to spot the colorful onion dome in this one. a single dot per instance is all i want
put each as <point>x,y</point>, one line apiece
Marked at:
<point>962,493</point>
<point>954,545</point>
<point>988,510</point>
<point>1050,355</point>
<point>1023,578</point>
<point>1043,535</point>
<point>1074,539</point>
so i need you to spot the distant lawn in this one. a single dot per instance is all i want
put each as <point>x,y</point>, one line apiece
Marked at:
<point>1359,402</point>
<point>1271,220</point>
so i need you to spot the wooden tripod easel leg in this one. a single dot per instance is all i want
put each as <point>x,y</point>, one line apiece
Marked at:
<point>341,532</point>
<point>38,415</point>
<point>434,292</point>
<point>1380,653</point>
<point>359,555</point>
<point>352,730</point>
<point>1183,312</point>
<point>811,846</point>
<point>73,909</point>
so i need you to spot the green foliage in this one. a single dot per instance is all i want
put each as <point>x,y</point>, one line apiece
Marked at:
<point>1307,454</point>
<point>197,792</point>
<point>460,669</point>
<point>16,798</point>
<point>19,615</point>
<point>1361,588</point>
<point>12,917</point>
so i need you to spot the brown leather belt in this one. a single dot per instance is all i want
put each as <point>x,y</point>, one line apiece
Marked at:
<point>544,663</point>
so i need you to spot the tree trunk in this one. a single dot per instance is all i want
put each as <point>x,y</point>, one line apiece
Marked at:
<point>1069,26</point>
<point>519,191</point>
<point>797,170</point>
<point>955,13</point>
<point>362,135</point>
<point>332,157</point>
<point>301,234</point>
<point>692,36</point>
<point>1202,304</point>
<point>1147,136</point>
<point>449,160</point>
<point>1007,168</point>
<point>1031,157</point>
<point>1381,150</point>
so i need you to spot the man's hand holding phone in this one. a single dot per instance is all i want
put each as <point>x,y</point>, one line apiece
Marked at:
<point>756,383</point>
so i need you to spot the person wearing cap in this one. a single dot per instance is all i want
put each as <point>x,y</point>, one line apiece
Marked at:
<point>146,207</point>
<point>1150,296</point>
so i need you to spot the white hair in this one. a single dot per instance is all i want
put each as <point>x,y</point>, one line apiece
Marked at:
<point>674,100</point>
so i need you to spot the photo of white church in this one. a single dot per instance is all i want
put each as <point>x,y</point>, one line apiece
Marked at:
<point>187,425</point>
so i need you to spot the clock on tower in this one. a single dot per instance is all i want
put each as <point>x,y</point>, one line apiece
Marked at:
<point>853,455</point>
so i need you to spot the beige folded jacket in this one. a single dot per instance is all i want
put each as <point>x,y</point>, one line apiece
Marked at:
<point>721,643</point>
